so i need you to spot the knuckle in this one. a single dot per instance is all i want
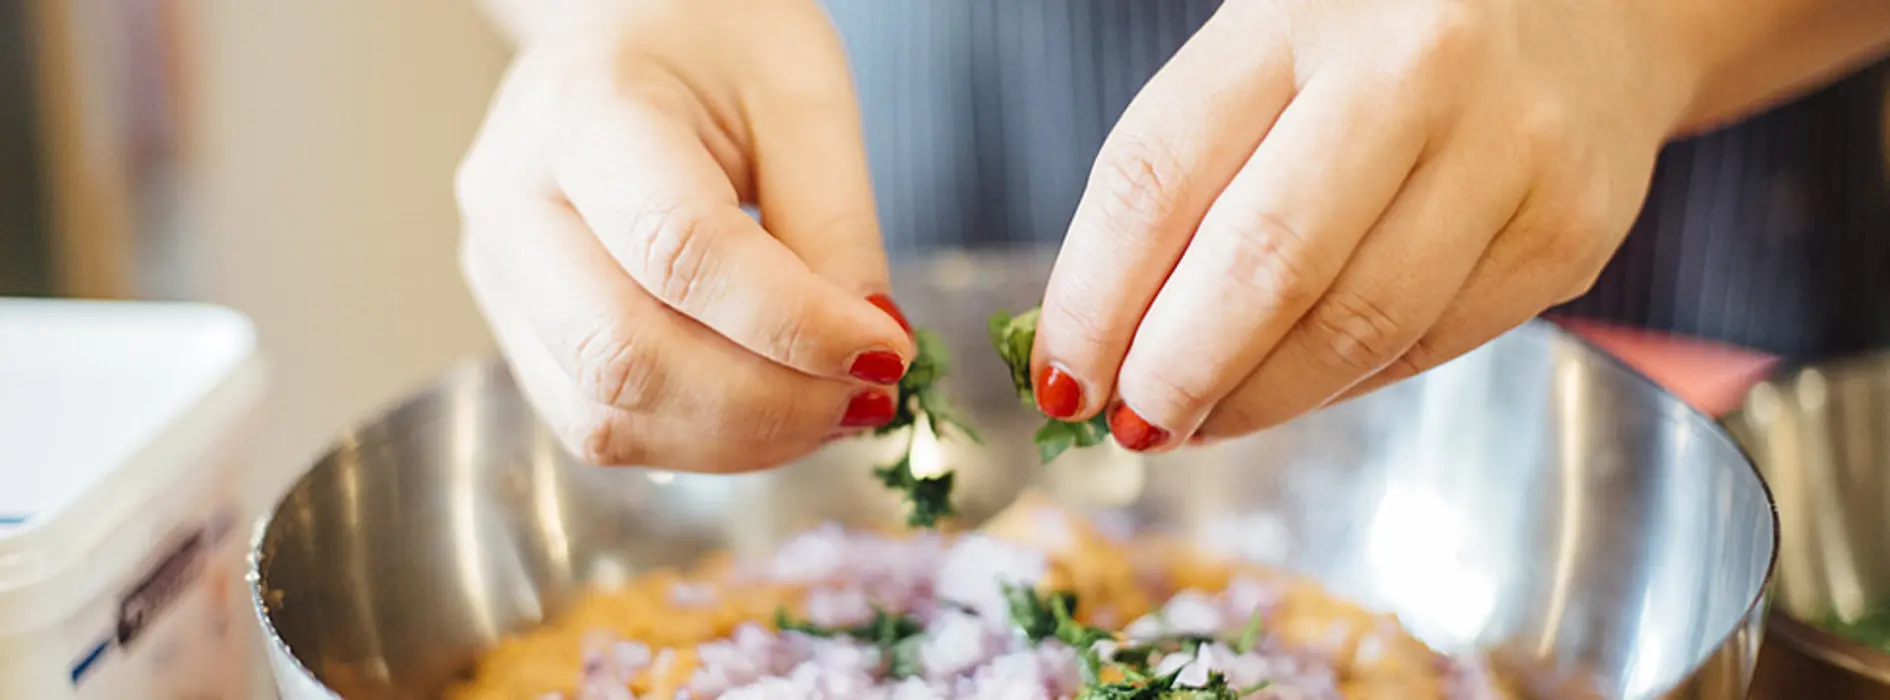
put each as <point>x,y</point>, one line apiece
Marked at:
<point>474,183</point>
<point>1567,244</point>
<point>1583,284</point>
<point>604,438</point>
<point>1232,418</point>
<point>1138,185</point>
<point>1544,127</point>
<point>1263,255</point>
<point>1421,356</point>
<point>1168,392</point>
<point>789,339</point>
<point>1353,332</point>
<point>676,255</point>
<point>1076,325</point>
<point>1449,37</point>
<point>774,419</point>
<point>616,367</point>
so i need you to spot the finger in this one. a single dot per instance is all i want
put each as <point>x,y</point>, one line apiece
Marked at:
<point>812,180</point>
<point>1396,286</point>
<point>641,383</point>
<point>1552,252</point>
<point>1184,136</point>
<point>667,212</point>
<point>1268,249</point>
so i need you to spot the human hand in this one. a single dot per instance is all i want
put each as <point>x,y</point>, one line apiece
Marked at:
<point>649,319</point>
<point>1312,200</point>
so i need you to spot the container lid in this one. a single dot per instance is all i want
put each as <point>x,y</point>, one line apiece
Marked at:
<point>101,404</point>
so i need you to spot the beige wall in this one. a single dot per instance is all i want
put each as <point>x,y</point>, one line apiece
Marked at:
<point>320,168</point>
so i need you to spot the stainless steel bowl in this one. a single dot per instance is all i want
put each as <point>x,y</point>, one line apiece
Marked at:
<point>1821,436</point>
<point>1534,499</point>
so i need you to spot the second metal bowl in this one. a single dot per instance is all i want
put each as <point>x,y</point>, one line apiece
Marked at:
<point>1821,436</point>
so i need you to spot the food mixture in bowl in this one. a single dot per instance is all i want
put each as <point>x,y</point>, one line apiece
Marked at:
<point>1037,605</point>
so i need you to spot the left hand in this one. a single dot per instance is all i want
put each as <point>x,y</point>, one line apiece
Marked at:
<point>1314,199</point>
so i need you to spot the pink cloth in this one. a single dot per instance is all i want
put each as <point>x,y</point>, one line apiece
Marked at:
<point>1711,376</point>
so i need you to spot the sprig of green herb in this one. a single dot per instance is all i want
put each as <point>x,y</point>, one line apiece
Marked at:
<point>921,397</point>
<point>927,500</point>
<point>897,637</point>
<point>1044,616</point>
<point>1013,337</point>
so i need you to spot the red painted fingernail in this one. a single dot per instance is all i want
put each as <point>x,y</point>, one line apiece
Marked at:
<point>1132,432</point>
<point>1058,393</point>
<point>878,367</point>
<point>868,409</point>
<point>886,304</point>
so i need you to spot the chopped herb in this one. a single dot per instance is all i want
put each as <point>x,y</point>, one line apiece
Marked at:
<point>1165,687</point>
<point>1043,616</point>
<point>1057,437</point>
<point>928,500</point>
<point>1249,635</point>
<point>897,636</point>
<point>920,396</point>
<point>1013,337</point>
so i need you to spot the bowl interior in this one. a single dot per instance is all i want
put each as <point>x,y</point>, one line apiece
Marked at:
<point>1532,498</point>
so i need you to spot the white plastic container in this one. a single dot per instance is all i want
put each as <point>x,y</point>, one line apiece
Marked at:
<point>121,499</point>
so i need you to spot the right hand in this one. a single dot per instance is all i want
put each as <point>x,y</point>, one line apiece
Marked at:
<point>649,319</point>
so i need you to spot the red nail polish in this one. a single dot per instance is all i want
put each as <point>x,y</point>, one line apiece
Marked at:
<point>878,367</point>
<point>1059,395</point>
<point>1132,432</point>
<point>886,304</point>
<point>868,409</point>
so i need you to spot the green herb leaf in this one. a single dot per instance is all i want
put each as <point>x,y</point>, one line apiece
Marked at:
<point>1044,616</point>
<point>897,637</point>
<point>921,397</point>
<point>1013,337</point>
<point>1249,635</point>
<point>1033,612</point>
<point>928,500</point>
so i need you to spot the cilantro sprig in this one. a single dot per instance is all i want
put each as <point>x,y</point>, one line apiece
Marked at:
<point>921,398</point>
<point>1045,616</point>
<point>1013,336</point>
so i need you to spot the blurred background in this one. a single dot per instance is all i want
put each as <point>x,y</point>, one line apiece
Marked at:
<point>292,160</point>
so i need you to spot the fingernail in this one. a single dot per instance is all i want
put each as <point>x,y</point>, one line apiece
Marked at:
<point>878,367</point>
<point>1132,432</point>
<point>868,409</point>
<point>886,304</point>
<point>1059,395</point>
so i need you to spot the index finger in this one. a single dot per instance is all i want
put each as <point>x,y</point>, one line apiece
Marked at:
<point>1182,139</point>
<point>654,195</point>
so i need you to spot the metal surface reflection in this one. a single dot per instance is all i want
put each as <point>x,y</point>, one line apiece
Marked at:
<point>1533,498</point>
<point>1821,436</point>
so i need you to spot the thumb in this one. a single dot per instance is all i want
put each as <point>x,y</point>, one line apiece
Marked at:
<point>815,191</point>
